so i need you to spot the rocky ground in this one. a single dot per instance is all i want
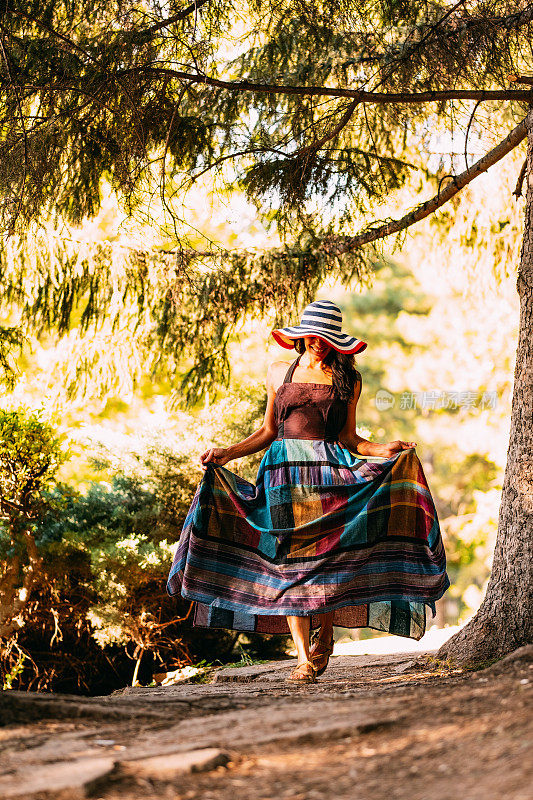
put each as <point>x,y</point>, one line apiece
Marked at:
<point>373,727</point>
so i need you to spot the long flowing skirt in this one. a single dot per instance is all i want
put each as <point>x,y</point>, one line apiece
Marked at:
<point>321,530</point>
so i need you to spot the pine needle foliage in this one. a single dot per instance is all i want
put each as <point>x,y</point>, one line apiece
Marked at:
<point>278,98</point>
<point>179,310</point>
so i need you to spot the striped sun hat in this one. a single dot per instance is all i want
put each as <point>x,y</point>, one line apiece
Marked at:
<point>324,320</point>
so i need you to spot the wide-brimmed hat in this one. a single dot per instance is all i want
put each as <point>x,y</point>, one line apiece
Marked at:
<point>324,320</point>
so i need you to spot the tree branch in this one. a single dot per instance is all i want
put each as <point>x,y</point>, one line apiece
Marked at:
<point>315,146</point>
<point>417,45</point>
<point>527,80</point>
<point>466,24</point>
<point>10,505</point>
<point>520,182</point>
<point>361,96</point>
<point>250,151</point>
<point>15,88</point>
<point>185,12</point>
<point>75,46</point>
<point>339,245</point>
<point>470,121</point>
<point>175,18</point>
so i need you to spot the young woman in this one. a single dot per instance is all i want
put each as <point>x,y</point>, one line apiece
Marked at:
<point>324,537</point>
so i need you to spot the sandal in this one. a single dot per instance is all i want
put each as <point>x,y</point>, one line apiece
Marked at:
<point>319,654</point>
<point>303,673</point>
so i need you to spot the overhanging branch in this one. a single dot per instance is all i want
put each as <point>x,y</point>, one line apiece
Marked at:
<point>340,245</point>
<point>346,244</point>
<point>359,95</point>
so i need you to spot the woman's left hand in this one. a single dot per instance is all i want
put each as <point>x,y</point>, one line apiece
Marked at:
<point>391,448</point>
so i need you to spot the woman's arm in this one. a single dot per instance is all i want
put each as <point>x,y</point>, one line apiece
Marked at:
<point>356,444</point>
<point>259,439</point>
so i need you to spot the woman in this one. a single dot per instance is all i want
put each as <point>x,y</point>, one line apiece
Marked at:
<point>324,537</point>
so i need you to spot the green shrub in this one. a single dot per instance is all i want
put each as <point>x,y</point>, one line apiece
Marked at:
<point>31,452</point>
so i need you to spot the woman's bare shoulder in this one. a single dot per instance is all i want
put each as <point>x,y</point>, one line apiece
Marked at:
<point>276,373</point>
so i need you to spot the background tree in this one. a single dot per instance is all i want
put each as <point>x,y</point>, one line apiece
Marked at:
<point>158,106</point>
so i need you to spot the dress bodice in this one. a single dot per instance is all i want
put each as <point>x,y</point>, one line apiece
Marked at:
<point>308,410</point>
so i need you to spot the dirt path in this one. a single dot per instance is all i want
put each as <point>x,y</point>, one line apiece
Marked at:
<point>373,727</point>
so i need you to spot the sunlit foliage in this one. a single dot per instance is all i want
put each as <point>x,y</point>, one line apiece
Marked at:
<point>155,100</point>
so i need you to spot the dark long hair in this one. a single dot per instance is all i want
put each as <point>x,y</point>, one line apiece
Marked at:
<point>344,375</point>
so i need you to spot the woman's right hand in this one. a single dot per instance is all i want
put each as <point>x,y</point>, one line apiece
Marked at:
<point>215,455</point>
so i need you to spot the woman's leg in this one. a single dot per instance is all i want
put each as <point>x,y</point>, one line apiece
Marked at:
<point>325,632</point>
<point>299,627</point>
<point>323,645</point>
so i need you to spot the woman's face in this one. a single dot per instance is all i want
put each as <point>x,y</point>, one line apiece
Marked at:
<point>317,347</point>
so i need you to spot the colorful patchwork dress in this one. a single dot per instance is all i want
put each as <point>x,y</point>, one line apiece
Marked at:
<point>321,530</point>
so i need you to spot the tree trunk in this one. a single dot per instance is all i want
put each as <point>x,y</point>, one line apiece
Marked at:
<point>505,618</point>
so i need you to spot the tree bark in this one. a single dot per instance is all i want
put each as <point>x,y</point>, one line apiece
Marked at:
<point>505,618</point>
